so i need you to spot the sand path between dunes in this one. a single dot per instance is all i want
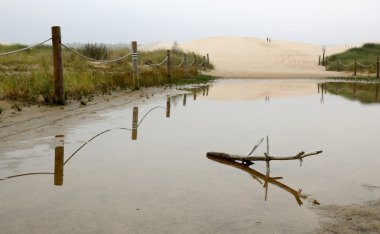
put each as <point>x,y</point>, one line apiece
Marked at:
<point>238,57</point>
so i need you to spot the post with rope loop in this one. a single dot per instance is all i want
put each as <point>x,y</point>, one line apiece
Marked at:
<point>204,63</point>
<point>136,82</point>
<point>168,65</point>
<point>355,67</point>
<point>378,67</point>
<point>186,67</point>
<point>59,92</point>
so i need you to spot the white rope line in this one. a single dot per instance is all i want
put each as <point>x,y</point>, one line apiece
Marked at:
<point>191,64</point>
<point>203,61</point>
<point>369,65</point>
<point>23,49</point>
<point>96,60</point>
<point>346,65</point>
<point>158,64</point>
<point>183,59</point>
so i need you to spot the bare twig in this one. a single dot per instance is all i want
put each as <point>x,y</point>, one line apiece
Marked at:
<point>266,157</point>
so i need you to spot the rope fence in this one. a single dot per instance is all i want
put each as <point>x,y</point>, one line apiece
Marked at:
<point>355,64</point>
<point>57,45</point>
<point>24,49</point>
<point>59,152</point>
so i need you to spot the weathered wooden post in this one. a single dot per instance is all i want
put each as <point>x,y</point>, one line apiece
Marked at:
<point>186,67</point>
<point>195,64</point>
<point>318,88</point>
<point>184,99</point>
<point>204,63</point>
<point>337,64</point>
<point>319,60</point>
<point>355,67</point>
<point>168,107</point>
<point>135,117</point>
<point>207,90</point>
<point>195,96</point>
<point>58,162</point>
<point>378,67</point>
<point>136,81</point>
<point>59,91</point>
<point>168,65</point>
<point>323,55</point>
<point>208,60</point>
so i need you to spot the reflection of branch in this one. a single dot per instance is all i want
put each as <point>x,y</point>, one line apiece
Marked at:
<point>27,174</point>
<point>257,175</point>
<point>266,157</point>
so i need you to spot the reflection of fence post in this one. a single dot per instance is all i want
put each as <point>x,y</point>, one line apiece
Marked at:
<point>186,67</point>
<point>355,87</point>
<point>168,107</point>
<point>318,88</point>
<point>58,162</point>
<point>204,63</point>
<point>184,99</point>
<point>168,65</point>
<point>378,67</point>
<point>195,96</point>
<point>135,117</point>
<point>59,92</point>
<point>207,90</point>
<point>377,91</point>
<point>355,67</point>
<point>136,82</point>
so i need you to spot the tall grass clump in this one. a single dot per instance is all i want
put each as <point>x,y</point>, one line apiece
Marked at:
<point>366,55</point>
<point>95,51</point>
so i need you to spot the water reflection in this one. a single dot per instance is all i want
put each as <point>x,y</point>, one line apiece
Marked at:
<point>262,179</point>
<point>59,162</point>
<point>364,92</point>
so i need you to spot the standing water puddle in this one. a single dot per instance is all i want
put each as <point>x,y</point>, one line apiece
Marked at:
<point>154,177</point>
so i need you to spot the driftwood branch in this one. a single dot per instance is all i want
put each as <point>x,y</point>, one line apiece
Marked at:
<point>265,157</point>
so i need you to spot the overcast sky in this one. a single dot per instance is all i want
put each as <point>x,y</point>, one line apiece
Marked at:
<point>114,21</point>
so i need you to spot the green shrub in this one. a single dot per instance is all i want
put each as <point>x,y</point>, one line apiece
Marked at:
<point>95,51</point>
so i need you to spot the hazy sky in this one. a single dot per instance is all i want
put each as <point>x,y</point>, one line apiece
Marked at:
<point>113,21</point>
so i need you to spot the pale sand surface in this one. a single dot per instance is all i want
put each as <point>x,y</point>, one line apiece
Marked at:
<point>245,57</point>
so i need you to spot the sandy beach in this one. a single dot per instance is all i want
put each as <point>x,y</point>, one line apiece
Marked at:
<point>246,57</point>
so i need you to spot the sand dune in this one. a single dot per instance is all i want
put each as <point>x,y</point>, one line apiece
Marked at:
<point>238,57</point>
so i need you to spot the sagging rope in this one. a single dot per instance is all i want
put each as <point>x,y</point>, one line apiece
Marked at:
<point>96,60</point>
<point>346,65</point>
<point>183,59</point>
<point>27,174</point>
<point>23,49</point>
<point>157,64</point>
<point>203,61</point>
<point>369,65</point>
<point>191,64</point>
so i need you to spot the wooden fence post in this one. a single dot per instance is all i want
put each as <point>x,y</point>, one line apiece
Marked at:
<point>378,67</point>
<point>168,65</point>
<point>195,61</point>
<point>208,60</point>
<point>319,61</point>
<point>58,162</point>
<point>136,82</point>
<point>59,91</point>
<point>337,64</point>
<point>168,107</point>
<point>204,63</point>
<point>186,67</point>
<point>135,117</point>
<point>323,59</point>
<point>355,67</point>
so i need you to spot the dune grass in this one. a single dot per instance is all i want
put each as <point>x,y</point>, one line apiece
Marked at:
<point>29,75</point>
<point>366,55</point>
